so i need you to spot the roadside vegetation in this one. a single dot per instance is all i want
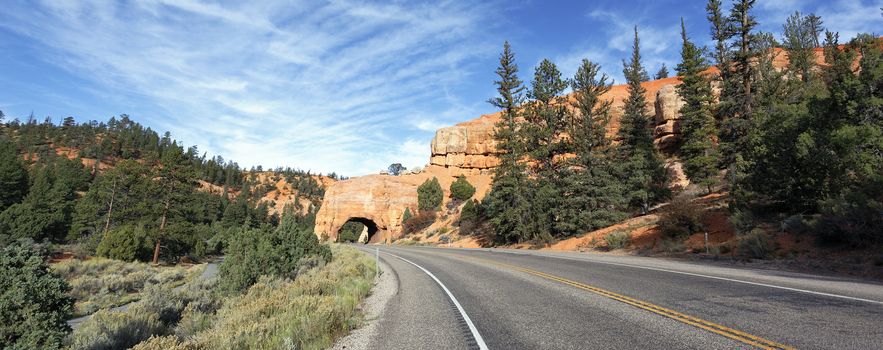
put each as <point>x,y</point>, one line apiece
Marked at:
<point>101,283</point>
<point>306,312</point>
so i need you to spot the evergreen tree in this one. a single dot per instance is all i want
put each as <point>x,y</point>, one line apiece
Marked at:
<point>174,182</point>
<point>591,193</point>
<point>44,214</point>
<point>643,171</point>
<point>507,206</point>
<point>662,73</point>
<point>13,176</point>
<point>738,94</point>
<point>34,303</point>
<point>461,189</point>
<point>698,131</point>
<point>406,215</point>
<point>429,195</point>
<point>799,38</point>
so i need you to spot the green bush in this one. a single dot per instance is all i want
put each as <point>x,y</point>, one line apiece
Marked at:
<point>429,195</point>
<point>756,244</point>
<point>34,305</point>
<point>854,218</point>
<point>671,246</point>
<point>257,252</point>
<point>462,189</point>
<point>470,211</point>
<point>680,218</point>
<point>406,215</point>
<point>127,243</point>
<point>618,239</point>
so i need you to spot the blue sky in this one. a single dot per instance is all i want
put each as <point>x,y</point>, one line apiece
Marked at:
<point>345,86</point>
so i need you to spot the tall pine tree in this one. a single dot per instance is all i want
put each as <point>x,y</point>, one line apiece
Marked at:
<point>591,192</point>
<point>507,205</point>
<point>698,132</point>
<point>642,169</point>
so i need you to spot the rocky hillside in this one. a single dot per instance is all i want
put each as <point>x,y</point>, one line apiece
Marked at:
<point>468,148</point>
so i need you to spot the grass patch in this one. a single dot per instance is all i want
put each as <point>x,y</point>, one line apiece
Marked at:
<point>101,283</point>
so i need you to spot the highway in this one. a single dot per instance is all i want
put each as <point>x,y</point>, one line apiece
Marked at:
<point>513,299</point>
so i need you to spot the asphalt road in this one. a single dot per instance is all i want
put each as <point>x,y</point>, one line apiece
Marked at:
<point>536,300</point>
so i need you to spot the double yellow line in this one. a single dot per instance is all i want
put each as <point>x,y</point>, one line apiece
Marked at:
<point>677,316</point>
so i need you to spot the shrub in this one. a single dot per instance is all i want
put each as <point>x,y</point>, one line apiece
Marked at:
<point>742,221</point>
<point>420,221</point>
<point>115,330</point>
<point>34,304</point>
<point>756,244</point>
<point>854,218</point>
<point>128,243</point>
<point>406,215</point>
<point>461,189</point>
<point>429,195</point>
<point>618,239</point>
<point>257,252</point>
<point>680,218</point>
<point>307,313</point>
<point>469,211</point>
<point>671,246</point>
<point>103,283</point>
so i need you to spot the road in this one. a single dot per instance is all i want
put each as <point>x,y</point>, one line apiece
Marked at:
<point>505,299</point>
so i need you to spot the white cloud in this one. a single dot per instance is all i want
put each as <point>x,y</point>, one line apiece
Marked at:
<point>327,87</point>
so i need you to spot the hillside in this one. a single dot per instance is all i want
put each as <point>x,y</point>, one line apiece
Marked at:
<point>87,182</point>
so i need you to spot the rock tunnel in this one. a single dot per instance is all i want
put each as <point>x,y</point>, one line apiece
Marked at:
<point>370,225</point>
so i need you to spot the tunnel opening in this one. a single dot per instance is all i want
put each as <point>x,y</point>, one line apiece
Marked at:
<point>357,230</point>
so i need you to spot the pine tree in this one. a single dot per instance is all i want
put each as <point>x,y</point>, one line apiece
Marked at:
<point>174,180</point>
<point>698,150</point>
<point>662,73</point>
<point>44,214</point>
<point>642,170</point>
<point>507,205</point>
<point>799,38</point>
<point>738,94</point>
<point>591,194</point>
<point>13,176</point>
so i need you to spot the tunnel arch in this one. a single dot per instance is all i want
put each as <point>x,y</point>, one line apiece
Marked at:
<point>369,223</point>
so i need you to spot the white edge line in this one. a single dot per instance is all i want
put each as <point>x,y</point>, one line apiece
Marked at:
<point>706,276</point>
<point>475,334</point>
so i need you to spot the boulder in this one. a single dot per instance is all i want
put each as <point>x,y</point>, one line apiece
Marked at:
<point>668,104</point>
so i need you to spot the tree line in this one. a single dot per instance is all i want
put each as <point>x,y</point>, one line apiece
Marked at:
<point>801,140</point>
<point>146,205</point>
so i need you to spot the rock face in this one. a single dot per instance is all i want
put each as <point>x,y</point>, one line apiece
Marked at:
<point>378,201</point>
<point>468,147</point>
<point>667,117</point>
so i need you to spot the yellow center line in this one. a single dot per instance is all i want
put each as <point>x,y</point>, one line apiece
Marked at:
<point>659,310</point>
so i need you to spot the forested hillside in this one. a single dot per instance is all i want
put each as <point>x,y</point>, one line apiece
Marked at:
<point>119,189</point>
<point>795,146</point>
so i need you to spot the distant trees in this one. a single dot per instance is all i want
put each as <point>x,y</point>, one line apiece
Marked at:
<point>662,73</point>
<point>13,175</point>
<point>34,303</point>
<point>396,169</point>
<point>429,195</point>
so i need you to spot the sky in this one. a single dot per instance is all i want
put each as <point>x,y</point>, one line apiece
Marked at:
<point>332,86</point>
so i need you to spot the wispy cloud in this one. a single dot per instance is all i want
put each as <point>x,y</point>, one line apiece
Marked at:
<point>656,38</point>
<point>327,87</point>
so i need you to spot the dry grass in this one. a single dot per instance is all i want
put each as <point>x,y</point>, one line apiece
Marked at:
<point>309,312</point>
<point>104,283</point>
